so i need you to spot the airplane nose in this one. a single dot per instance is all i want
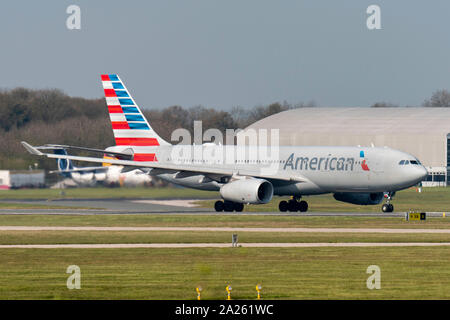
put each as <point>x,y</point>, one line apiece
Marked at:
<point>421,173</point>
<point>424,173</point>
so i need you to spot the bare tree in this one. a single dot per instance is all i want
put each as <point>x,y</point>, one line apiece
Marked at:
<point>439,99</point>
<point>383,105</point>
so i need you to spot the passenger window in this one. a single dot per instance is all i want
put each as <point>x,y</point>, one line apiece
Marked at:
<point>402,162</point>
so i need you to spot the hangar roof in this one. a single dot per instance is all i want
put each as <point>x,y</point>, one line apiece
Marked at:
<point>373,120</point>
<point>417,130</point>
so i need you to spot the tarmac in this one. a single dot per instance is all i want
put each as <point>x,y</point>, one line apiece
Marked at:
<point>139,206</point>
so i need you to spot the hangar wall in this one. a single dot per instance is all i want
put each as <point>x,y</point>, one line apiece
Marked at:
<point>421,132</point>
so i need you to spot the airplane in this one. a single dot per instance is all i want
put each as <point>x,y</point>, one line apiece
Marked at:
<point>353,174</point>
<point>109,175</point>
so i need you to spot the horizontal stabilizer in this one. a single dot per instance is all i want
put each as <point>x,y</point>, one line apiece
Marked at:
<point>124,155</point>
<point>31,149</point>
<point>81,169</point>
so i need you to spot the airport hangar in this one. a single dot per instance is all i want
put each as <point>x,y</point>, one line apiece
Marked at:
<point>422,132</point>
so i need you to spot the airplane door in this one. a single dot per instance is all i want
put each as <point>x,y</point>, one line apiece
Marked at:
<point>375,165</point>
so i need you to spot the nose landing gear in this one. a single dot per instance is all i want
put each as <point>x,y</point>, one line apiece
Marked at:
<point>388,207</point>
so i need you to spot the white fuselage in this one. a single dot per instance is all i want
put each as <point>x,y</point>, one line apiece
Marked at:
<point>319,169</point>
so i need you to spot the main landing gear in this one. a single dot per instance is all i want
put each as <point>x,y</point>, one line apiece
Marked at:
<point>293,205</point>
<point>228,206</point>
<point>388,207</point>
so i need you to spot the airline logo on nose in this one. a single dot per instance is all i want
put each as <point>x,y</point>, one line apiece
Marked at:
<point>363,163</point>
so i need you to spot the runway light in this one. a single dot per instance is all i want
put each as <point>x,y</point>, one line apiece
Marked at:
<point>229,288</point>
<point>199,292</point>
<point>258,289</point>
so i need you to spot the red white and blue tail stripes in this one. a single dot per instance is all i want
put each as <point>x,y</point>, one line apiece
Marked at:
<point>128,122</point>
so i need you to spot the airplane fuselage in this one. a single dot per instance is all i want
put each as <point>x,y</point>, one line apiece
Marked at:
<point>319,169</point>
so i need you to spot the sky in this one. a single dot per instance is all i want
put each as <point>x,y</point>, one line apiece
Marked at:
<point>229,53</point>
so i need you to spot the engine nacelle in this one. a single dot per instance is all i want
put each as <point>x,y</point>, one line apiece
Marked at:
<point>247,191</point>
<point>359,198</point>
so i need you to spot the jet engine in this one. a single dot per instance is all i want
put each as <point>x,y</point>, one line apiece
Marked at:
<point>84,179</point>
<point>253,191</point>
<point>359,198</point>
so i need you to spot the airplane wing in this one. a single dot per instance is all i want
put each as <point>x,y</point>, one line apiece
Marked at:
<point>81,169</point>
<point>201,169</point>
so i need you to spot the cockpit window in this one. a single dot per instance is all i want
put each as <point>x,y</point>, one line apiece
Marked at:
<point>405,162</point>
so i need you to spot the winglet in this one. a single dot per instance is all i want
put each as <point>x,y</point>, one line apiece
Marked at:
<point>31,149</point>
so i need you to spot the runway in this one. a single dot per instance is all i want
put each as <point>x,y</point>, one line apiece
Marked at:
<point>165,207</point>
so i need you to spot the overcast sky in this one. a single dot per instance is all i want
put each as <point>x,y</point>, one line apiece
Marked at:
<point>226,53</point>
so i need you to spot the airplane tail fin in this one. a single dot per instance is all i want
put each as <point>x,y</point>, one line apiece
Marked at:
<point>130,127</point>
<point>64,164</point>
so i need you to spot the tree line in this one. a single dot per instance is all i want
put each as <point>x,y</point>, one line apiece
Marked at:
<point>51,116</point>
<point>439,99</point>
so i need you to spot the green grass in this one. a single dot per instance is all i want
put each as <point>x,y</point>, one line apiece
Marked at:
<point>101,237</point>
<point>107,193</point>
<point>16,205</point>
<point>285,273</point>
<point>219,220</point>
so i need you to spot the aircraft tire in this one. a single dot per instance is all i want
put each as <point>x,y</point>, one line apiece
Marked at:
<point>283,206</point>
<point>303,206</point>
<point>391,207</point>
<point>386,207</point>
<point>228,206</point>
<point>292,206</point>
<point>218,206</point>
<point>238,207</point>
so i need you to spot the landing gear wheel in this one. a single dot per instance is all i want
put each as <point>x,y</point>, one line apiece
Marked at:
<point>303,206</point>
<point>293,206</point>
<point>283,206</point>
<point>218,206</point>
<point>238,207</point>
<point>391,207</point>
<point>228,206</point>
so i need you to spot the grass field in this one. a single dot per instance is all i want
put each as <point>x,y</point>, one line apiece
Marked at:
<point>306,273</point>
<point>14,205</point>
<point>136,220</point>
<point>285,273</point>
<point>213,220</point>
<point>101,237</point>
